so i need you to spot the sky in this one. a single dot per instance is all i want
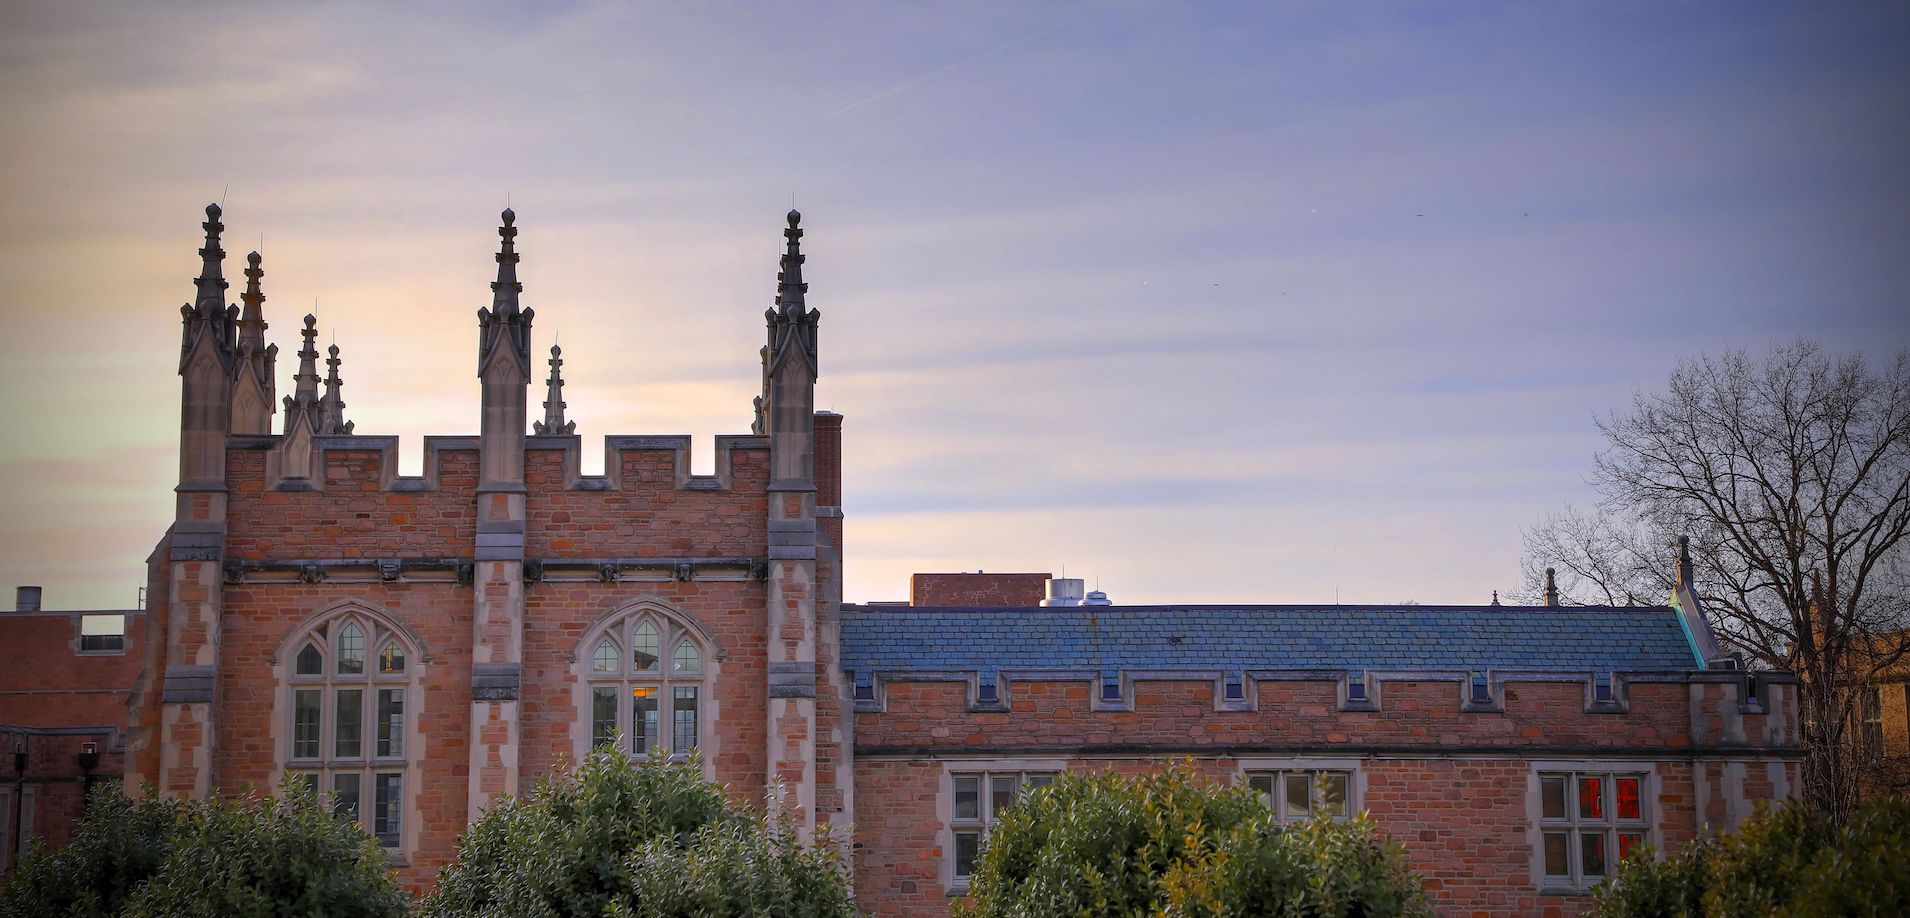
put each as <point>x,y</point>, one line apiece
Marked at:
<point>1255,302</point>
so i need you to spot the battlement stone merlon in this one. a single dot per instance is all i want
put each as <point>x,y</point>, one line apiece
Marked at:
<point>620,452</point>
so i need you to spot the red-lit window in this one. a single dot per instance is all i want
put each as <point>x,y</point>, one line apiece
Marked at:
<point>1588,822</point>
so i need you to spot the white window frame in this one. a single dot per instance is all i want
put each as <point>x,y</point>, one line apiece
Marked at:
<point>1575,825</point>
<point>1870,731</point>
<point>370,768</point>
<point>664,679</point>
<point>984,821</point>
<point>118,647</point>
<point>1355,769</point>
<point>1276,794</point>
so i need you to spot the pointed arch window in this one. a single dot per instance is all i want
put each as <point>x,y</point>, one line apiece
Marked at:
<point>654,706</point>
<point>350,711</point>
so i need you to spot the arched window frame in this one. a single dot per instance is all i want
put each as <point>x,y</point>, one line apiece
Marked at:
<point>384,764</point>
<point>666,681</point>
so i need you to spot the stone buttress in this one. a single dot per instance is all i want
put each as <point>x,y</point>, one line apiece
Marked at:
<point>497,656</point>
<point>788,414</point>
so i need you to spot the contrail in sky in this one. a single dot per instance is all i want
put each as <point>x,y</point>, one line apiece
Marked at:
<point>961,63</point>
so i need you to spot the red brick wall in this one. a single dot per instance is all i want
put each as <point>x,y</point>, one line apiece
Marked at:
<point>1463,821</point>
<point>650,516</point>
<point>1182,713</point>
<point>353,517</point>
<point>977,590</point>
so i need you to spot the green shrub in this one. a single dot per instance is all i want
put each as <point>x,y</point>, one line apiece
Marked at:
<point>1168,844</point>
<point>242,857</point>
<point>652,840</point>
<point>1785,861</point>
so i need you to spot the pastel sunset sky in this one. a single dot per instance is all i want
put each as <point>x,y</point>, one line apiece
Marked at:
<point>1205,302</point>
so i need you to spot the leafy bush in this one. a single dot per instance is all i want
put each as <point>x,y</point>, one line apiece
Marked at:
<point>1168,844</point>
<point>652,840</point>
<point>230,858</point>
<point>1783,861</point>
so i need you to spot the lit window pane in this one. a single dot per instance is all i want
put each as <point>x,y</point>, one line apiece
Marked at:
<point>603,715</point>
<point>387,821</point>
<point>1591,798</point>
<point>605,659</point>
<point>683,716</point>
<point>1333,794</point>
<point>310,661</point>
<point>1592,853</point>
<point>1001,794</point>
<point>351,651</point>
<point>1556,846</point>
<point>1627,841</point>
<point>967,844</point>
<point>1626,804</point>
<point>305,705</point>
<point>391,722</point>
<point>1552,797</point>
<point>391,660</point>
<point>687,658</point>
<point>644,647</point>
<point>968,795</point>
<point>643,719</point>
<point>345,791</point>
<point>1299,796</point>
<point>348,722</point>
<point>1262,785</point>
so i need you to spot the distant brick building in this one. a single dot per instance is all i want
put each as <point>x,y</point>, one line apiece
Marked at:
<point>62,714</point>
<point>418,646</point>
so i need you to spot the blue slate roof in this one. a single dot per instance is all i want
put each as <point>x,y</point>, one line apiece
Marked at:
<point>1235,638</point>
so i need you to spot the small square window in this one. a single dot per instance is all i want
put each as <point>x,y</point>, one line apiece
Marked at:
<point>1356,691</point>
<point>1235,691</point>
<point>102,633</point>
<point>985,692</point>
<point>1110,691</point>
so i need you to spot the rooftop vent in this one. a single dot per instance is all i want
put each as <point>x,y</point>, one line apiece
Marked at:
<point>26,599</point>
<point>1097,598</point>
<point>1064,591</point>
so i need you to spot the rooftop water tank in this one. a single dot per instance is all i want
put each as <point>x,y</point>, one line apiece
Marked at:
<point>1064,591</point>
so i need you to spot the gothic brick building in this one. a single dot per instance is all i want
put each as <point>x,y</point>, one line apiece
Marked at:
<point>417,646</point>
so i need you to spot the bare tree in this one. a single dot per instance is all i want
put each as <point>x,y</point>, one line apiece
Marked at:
<point>1791,474</point>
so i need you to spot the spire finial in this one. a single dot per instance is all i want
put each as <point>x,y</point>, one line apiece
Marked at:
<point>553,422</point>
<point>506,288</point>
<point>1551,587</point>
<point>210,283</point>
<point>789,285</point>
<point>331,409</point>
<point>252,320</point>
<point>1495,597</point>
<point>504,317</point>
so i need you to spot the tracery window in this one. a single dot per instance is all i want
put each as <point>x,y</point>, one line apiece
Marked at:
<point>647,675</point>
<point>348,704</point>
